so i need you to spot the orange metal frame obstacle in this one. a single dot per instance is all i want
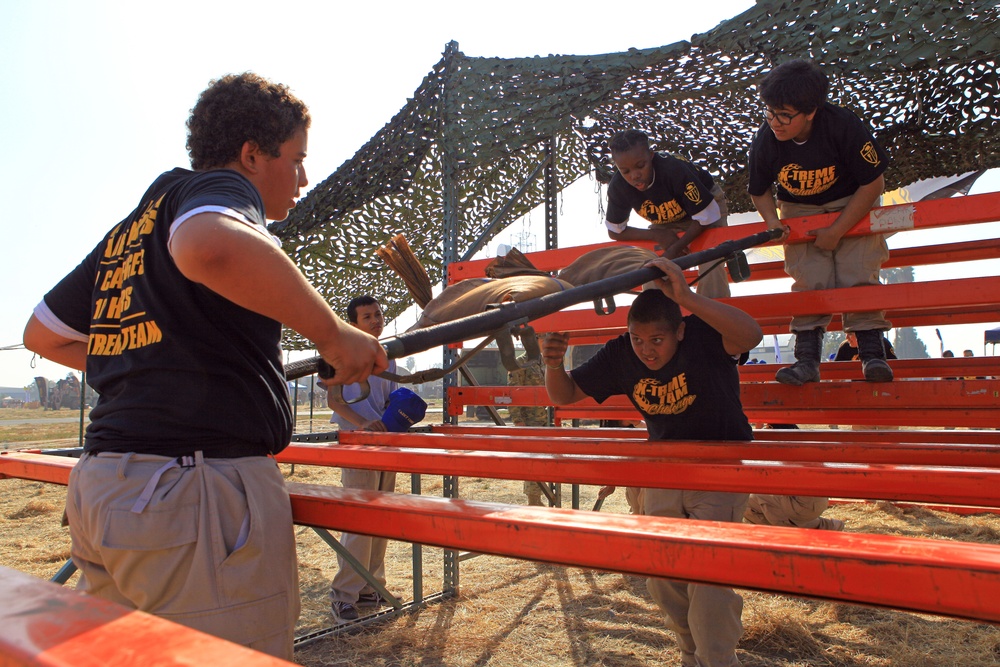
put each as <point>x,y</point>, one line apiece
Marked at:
<point>952,578</point>
<point>956,579</point>
<point>47,625</point>
<point>950,393</point>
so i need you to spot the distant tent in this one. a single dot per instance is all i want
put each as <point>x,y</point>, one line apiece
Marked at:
<point>991,336</point>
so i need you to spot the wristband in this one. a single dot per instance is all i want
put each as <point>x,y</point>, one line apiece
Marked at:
<point>561,364</point>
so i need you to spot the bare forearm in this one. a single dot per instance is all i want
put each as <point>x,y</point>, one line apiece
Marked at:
<point>43,341</point>
<point>633,234</point>
<point>561,386</point>
<point>690,234</point>
<point>767,208</point>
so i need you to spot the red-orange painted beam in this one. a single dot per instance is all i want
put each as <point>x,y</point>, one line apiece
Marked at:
<point>966,251</point>
<point>39,467</point>
<point>980,419</point>
<point>944,295</point>
<point>901,217</point>
<point>929,301</point>
<point>968,394</point>
<point>989,437</point>
<point>940,577</point>
<point>46,625</point>
<point>945,253</point>
<point>935,454</point>
<point>935,369</point>
<point>974,403</point>
<point>959,486</point>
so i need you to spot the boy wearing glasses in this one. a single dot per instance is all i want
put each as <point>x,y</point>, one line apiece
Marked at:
<point>823,159</point>
<point>677,198</point>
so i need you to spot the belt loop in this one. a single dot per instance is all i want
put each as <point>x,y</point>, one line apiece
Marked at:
<point>122,462</point>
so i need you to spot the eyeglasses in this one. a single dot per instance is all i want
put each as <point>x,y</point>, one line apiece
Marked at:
<point>783,118</point>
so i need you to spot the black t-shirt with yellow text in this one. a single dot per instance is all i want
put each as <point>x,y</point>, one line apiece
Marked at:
<point>177,367</point>
<point>840,156</point>
<point>695,396</point>
<point>679,191</point>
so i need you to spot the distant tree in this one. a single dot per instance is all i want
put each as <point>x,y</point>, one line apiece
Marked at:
<point>410,364</point>
<point>907,343</point>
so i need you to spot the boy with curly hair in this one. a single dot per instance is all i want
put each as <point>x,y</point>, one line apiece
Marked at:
<point>176,507</point>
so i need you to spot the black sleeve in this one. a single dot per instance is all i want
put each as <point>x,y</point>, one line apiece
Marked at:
<point>598,376</point>
<point>619,208</point>
<point>761,174</point>
<point>71,299</point>
<point>223,187</point>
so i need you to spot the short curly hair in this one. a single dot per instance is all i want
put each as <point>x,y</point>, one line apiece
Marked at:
<point>238,108</point>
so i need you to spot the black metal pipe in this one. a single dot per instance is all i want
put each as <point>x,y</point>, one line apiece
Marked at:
<point>489,321</point>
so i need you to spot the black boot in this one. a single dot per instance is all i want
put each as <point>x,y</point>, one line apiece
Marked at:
<point>808,351</point>
<point>872,354</point>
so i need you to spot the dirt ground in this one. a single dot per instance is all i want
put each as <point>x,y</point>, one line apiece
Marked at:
<point>513,613</point>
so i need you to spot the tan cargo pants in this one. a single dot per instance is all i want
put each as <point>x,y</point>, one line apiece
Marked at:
<point>207,543</point>
<point>706,619</point>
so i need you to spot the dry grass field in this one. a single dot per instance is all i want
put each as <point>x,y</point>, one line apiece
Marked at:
<point>513,613</point>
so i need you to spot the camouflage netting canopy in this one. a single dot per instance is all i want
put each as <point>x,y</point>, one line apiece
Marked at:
<point>923,73</point>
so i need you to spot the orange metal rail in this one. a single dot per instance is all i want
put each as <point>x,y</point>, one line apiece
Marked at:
<point>942,416</point>
<point>960,486</point>
<point>810,435</point>
<point>972,403</point>
<point>46,625</point>
<point>906,304</point>
<point>957,368</point>
<point>941,577</point>
<point>902,217</point>
<point>946,253</point>
<point>934,454</point>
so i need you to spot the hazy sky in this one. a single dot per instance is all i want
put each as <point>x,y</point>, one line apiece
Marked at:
<point>96,95</point>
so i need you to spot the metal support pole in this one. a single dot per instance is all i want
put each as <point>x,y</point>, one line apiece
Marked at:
<point>452,230</point>
<point>551,196</point>
<point>335,544</point>
<point>295,408</point>
<point>312,398</point>
<point>83,403</point>
<point>417,549</point>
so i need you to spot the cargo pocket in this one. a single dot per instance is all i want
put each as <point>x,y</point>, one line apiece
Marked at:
<point>151,530</point>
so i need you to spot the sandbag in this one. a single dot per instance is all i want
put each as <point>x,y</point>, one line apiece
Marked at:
<point>605,262</point>
<point>473,295</point>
